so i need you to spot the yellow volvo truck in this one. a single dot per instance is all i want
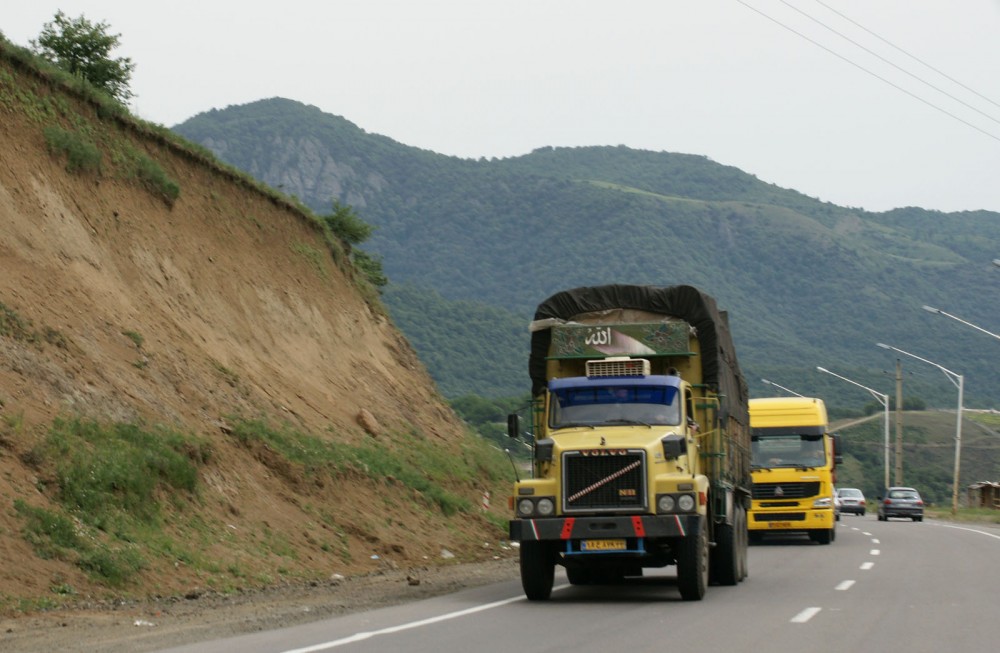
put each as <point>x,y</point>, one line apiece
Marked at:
<point>794,459</point>
<point>641,441</point>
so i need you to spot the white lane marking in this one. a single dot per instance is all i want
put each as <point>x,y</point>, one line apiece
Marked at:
<point>845,585</point>
<point>357,637</point>
<point>874,552</point>
<point>866,533</point>
<point>971,530</point>
<point>867,565</point>
<point>805,615</point>
<point>875,540</point>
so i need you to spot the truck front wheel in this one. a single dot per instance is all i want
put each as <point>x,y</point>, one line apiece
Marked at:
<point>538,567</point>
<point>823,536</point>
<point>692,564</point>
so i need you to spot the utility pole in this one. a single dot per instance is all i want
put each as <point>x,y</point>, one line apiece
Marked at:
<point>899,422</point>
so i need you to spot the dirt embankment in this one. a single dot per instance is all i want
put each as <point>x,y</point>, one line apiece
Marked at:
<point>121,307</point>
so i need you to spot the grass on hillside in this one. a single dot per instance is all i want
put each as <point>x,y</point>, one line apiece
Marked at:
<point>110,487</point>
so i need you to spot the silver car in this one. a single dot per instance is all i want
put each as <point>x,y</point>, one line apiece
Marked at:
<point>901,502</point>
<point>852,500</point>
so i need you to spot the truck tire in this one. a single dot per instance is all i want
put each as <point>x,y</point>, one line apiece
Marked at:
<point>724,565</point>
<point>538,567</point>
<point>729,556</point>
<point>823,535</point>
<point>743,543</point>
<point>692,564</point>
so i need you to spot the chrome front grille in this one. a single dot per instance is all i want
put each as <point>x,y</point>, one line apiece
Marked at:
<point>604,480</point>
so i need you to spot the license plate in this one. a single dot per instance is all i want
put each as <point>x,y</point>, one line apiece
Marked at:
<point>602,545</point>
<point>779,524</point>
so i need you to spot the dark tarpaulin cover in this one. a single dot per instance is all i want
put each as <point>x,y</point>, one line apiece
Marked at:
<point>719,367</point>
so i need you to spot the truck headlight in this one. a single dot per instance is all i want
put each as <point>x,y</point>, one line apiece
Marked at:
<point>543,507</point>
<point>686,502</point>
<point>665,503</point>
<point>823,502</point>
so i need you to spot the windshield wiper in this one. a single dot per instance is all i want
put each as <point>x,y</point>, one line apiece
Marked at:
<point>575,425</point>
<point>628,421</point>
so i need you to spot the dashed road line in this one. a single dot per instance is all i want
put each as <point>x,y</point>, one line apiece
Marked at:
<point>805,615</point>
<point>844,585</point>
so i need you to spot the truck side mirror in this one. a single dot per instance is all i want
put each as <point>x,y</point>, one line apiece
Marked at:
<point>514,425</point>
<point>674,446</point>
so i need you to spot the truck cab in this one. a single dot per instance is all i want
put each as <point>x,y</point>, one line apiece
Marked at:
<point>793,461</point>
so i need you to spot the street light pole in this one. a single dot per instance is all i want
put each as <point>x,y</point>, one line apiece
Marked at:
<point>959,382</point>
<point>882,399</point>
<point>782,387</point>
<point>931,309</point>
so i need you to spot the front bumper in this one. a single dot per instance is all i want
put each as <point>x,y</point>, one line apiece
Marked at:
<point>903,512</point>
<point>791,520</point>
<point>617,526</point>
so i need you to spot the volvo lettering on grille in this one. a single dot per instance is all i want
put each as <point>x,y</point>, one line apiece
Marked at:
<point>604,480</point>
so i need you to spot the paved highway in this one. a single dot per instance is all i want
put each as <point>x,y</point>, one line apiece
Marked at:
<point>886,587</point>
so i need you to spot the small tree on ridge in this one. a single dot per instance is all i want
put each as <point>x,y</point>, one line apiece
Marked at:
<point>83,48</point>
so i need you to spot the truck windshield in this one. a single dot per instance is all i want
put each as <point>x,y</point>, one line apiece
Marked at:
<point>612,404</point>
<point>792,450</point>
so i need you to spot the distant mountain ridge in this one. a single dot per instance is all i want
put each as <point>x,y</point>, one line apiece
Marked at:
<point>805,282</point>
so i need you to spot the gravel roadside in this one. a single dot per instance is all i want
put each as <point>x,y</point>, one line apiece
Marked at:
<point>136,627</point>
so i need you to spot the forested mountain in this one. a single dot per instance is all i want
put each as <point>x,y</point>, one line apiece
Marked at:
<point>472,246</point>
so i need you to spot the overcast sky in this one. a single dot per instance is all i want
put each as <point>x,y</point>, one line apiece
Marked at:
<point>865,103</point>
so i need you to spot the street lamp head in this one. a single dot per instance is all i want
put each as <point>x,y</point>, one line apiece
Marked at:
<point>931,309</point>
<point>996,262</point>
<point>822,369</point>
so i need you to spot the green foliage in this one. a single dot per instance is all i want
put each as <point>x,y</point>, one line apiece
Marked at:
<point>489,418</point>
<point>83,49</point>
<point>111,474</point>
<point>410,460</point>
<point>110,482</point>
<point>81,155</point>
<point>56,536</point>
<point>14,326</point>
<point>928,454</point>
<point>468,347</point>
<point>114,565</point>
<point>370,267</point>
<point>135,337</point>
<point>316,258</point>
<point>346,224</point>
<point>153,178</point>
<point>53,535</point>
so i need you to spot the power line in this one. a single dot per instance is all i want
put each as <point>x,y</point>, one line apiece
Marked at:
<point>875,75</point>
<point>894,65</point>
<point>923,63</point>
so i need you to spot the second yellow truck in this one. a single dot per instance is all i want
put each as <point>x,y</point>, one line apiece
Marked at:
<point>793,462</point>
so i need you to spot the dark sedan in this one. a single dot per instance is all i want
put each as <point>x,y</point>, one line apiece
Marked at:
<point>901,502</point>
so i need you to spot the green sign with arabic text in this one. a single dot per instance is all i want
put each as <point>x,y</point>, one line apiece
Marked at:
<point>638,339</point>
